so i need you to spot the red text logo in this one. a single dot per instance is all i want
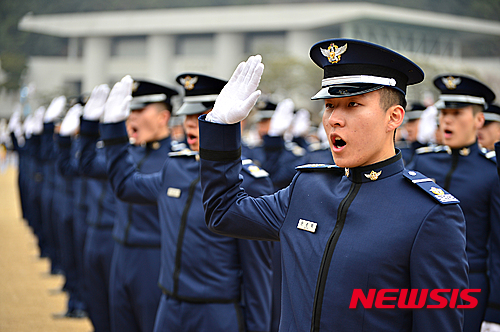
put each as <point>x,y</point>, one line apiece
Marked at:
<point>410,299</point>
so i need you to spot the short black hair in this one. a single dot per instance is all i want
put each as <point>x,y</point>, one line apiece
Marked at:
<point>390,97</point>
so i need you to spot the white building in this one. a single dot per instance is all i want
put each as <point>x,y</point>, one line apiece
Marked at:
<point>159,44</point>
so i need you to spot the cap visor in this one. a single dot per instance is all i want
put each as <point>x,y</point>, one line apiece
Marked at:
<point>191,108</point>
<point>341,91</point>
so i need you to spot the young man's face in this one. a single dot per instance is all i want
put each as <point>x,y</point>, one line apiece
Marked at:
<point>459,126</point>
<point>412,129</point>
<point>359,131</point>
<point>488,135</point>
<point>192,130</point>
<point>148,124</point>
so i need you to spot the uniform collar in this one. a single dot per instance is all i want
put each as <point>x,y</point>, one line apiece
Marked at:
<point>376,171</point>
<point>466,150</point>
<point>155,145</point>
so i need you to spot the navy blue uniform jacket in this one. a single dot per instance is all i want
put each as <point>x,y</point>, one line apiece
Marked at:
<point>196,265</point>
<point>387,233</point>
<point>470,175</point>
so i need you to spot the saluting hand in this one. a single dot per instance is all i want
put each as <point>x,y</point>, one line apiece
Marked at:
<point>37,121</point>
<point>116,108</point>
<point>282,118</point>
<point>71,121</point>
<point>240,94</point>
<point>56,108</point>
<point>94,108</point>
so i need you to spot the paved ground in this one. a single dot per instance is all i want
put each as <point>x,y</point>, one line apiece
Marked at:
<point>29,295</point>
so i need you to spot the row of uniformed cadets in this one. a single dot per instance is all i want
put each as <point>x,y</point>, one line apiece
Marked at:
<point>125,278</point>
<point>190,282</point>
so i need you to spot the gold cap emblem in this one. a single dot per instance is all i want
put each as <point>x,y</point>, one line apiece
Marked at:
<point>373,175</point>
<point>451,82</point>
<point>135,86</point>
<point>437,191</point>
<point>333,52</point>
<point>189,82</point>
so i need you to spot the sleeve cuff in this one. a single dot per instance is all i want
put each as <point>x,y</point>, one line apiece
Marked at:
<point>274,142</point>
<point>48,128</point>
<point>64,141</point>
<point>114,133</point>
<point>219,142</point>
<point>89,128</point>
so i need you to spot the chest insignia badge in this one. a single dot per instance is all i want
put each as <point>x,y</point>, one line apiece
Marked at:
<point>306,225</point>
<point>373,175</point>
<point>174,192</point>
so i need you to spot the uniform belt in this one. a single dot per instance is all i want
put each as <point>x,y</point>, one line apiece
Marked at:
<point>100,226</point>
<point>196,299</point>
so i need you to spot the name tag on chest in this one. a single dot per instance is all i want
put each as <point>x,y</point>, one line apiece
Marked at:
<point>174,192</point>
<point>306,225</point>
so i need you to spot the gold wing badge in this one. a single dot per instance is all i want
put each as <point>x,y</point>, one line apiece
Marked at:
<point>373,175</point>
<point>451,82</point>
<point>189,82</point>
<point>333,52</point>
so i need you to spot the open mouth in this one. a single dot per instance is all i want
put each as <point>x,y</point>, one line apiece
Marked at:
<point>339,143</point>
<point>191,139</point>
<point>447,133</point>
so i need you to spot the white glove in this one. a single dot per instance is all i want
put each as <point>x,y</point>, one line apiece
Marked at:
<point>56,108</point>
<point>301,123</point>
<point>427,125</point>
<point>4,132</point>
<point>240,94</point>
<point>282,118</point>
<point>15,119</point>
<point>490,327</point>
<point>94,108</point>
<point>28,126</point>
<point>71,121</point>
<point>321,133</point>
<point>116,108</point>
<point>37,121</point>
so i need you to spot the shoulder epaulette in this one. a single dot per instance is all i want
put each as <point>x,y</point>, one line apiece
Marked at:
<point>177,146</point>
<point>491,155</point>
<point>296,149</point>
<point>252,169</point>
<point>314,146</point>
<point>183,153</point>
<point>430,187</point>
<point>320,167</point>
<point>432,148</point>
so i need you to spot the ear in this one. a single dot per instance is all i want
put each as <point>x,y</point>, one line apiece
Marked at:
<point>395,117</point>
<point>479,120</point>
<point>164,116</point>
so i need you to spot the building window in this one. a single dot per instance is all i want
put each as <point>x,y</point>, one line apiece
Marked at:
<point>200,44</point>
<point>128,46</point>
<point>265,42</point>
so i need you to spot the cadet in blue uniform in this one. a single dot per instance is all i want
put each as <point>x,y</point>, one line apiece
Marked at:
<point>101,215</point>
<point>410,125</point>
<point>489,133</point>
<point>366,224</point>
<point>210,282</point>
<point>135,266</point>
<point>469,173</point>
<point>276,156</point>
<point>68,161</point>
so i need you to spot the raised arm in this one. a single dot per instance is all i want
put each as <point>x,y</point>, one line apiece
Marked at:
<point>128,183</point>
